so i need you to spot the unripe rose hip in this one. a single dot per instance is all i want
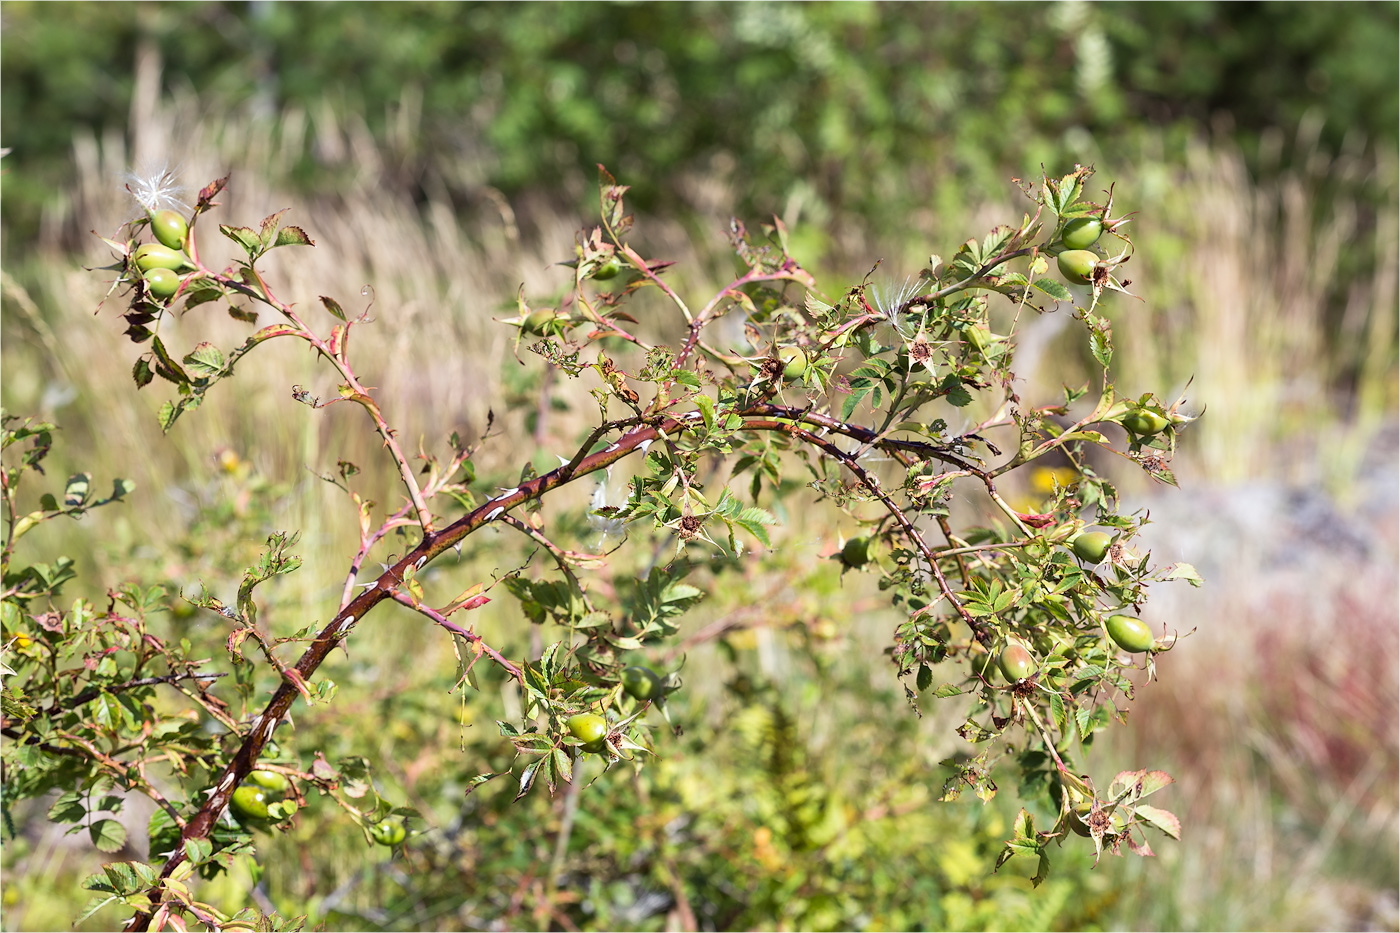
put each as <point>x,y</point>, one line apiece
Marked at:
<point>170,228</point>
<point>1081,232</point>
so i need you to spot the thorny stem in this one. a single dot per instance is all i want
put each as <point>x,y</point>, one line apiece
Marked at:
<point>360,395</point>
<point>399,596</point>
<point>873,485</point>
<point>1054,753</point>
<point>561,557</point>
<point>707,313</point>
<point>86,695</point>
<point>384,587</point>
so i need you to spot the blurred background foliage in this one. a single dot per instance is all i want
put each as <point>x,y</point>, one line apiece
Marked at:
<point>445,154</point>
<point>866,104</point>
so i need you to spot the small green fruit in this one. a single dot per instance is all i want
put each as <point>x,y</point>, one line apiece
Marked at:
<point>1016,662</point>
<point>1076,820</point>
<point>162,283</point>
<point>1144,423</point>
<point>590,728</point>
<point>1091,546</point>
<point>270,780</point>
<point>1131,633</point>
<point>155,256</point>
<point>794,362</point>
<point>607,270</point>
<point>538,321</point>
<point>642,683</point>
<point>1055,644</point>
<point>599,747</point>
<point>388,832</point>
<point>249,802</point>
<point>1082,232</point>
<point>170,228</point>
<point>1077,265</point>
<point>901,360</point>
<point>977,335</point>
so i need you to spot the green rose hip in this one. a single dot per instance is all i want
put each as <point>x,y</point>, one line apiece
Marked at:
<point>1081,232</point>
<point>388,832</point>
<point>270,780</point>
<point>1091,546</point>
<point>1144,423</point>
<point>155,256</point>
<point>1077,265</point>
<point>1016,662</point>
<point>170,228</point>
<point>162,283</point>
<point>249,802</point>
<point>1130,633</point>
<point>587,727</point>
<point>794,362</point>
<point>607,270</point>
<point>538,322</point>
<point>641,683</point>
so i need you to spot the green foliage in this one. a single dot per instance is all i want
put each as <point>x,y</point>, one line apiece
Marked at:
<point>1002,579</point>
<point>889,94</point>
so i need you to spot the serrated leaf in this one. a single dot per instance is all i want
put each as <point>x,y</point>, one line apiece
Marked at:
<point>142,373</point>
<point>200,292</point>
<point>563,765</point>
<point>1053,288</point>
<point>94,905</point>
<point>1101,345</point>
<point>76,491</point>
<point>816,306</point>
<point>1023,828</point>
<point>68,808</point>
<point>527,778</point>
<point>123,878</point>
<point>333,307</point>
<point>947,690</point>
<point>207,193</point>
<point>480,779</point>
<point>706,405</point>
<point>1058,712</point>
<point>1165,820</point>
<point>107,835</point>
<point>167,415</point>
<point>849,405</point>
<point>595,619</point>
<point>533,743</point>
<point>958,396</point>
<point>756,529</point>
<point>245,237</point>
<point>1182,571</point>
<point>166,367</point>
<point>205,360</point>
<point>268,229</point>
<point>292,236</point>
